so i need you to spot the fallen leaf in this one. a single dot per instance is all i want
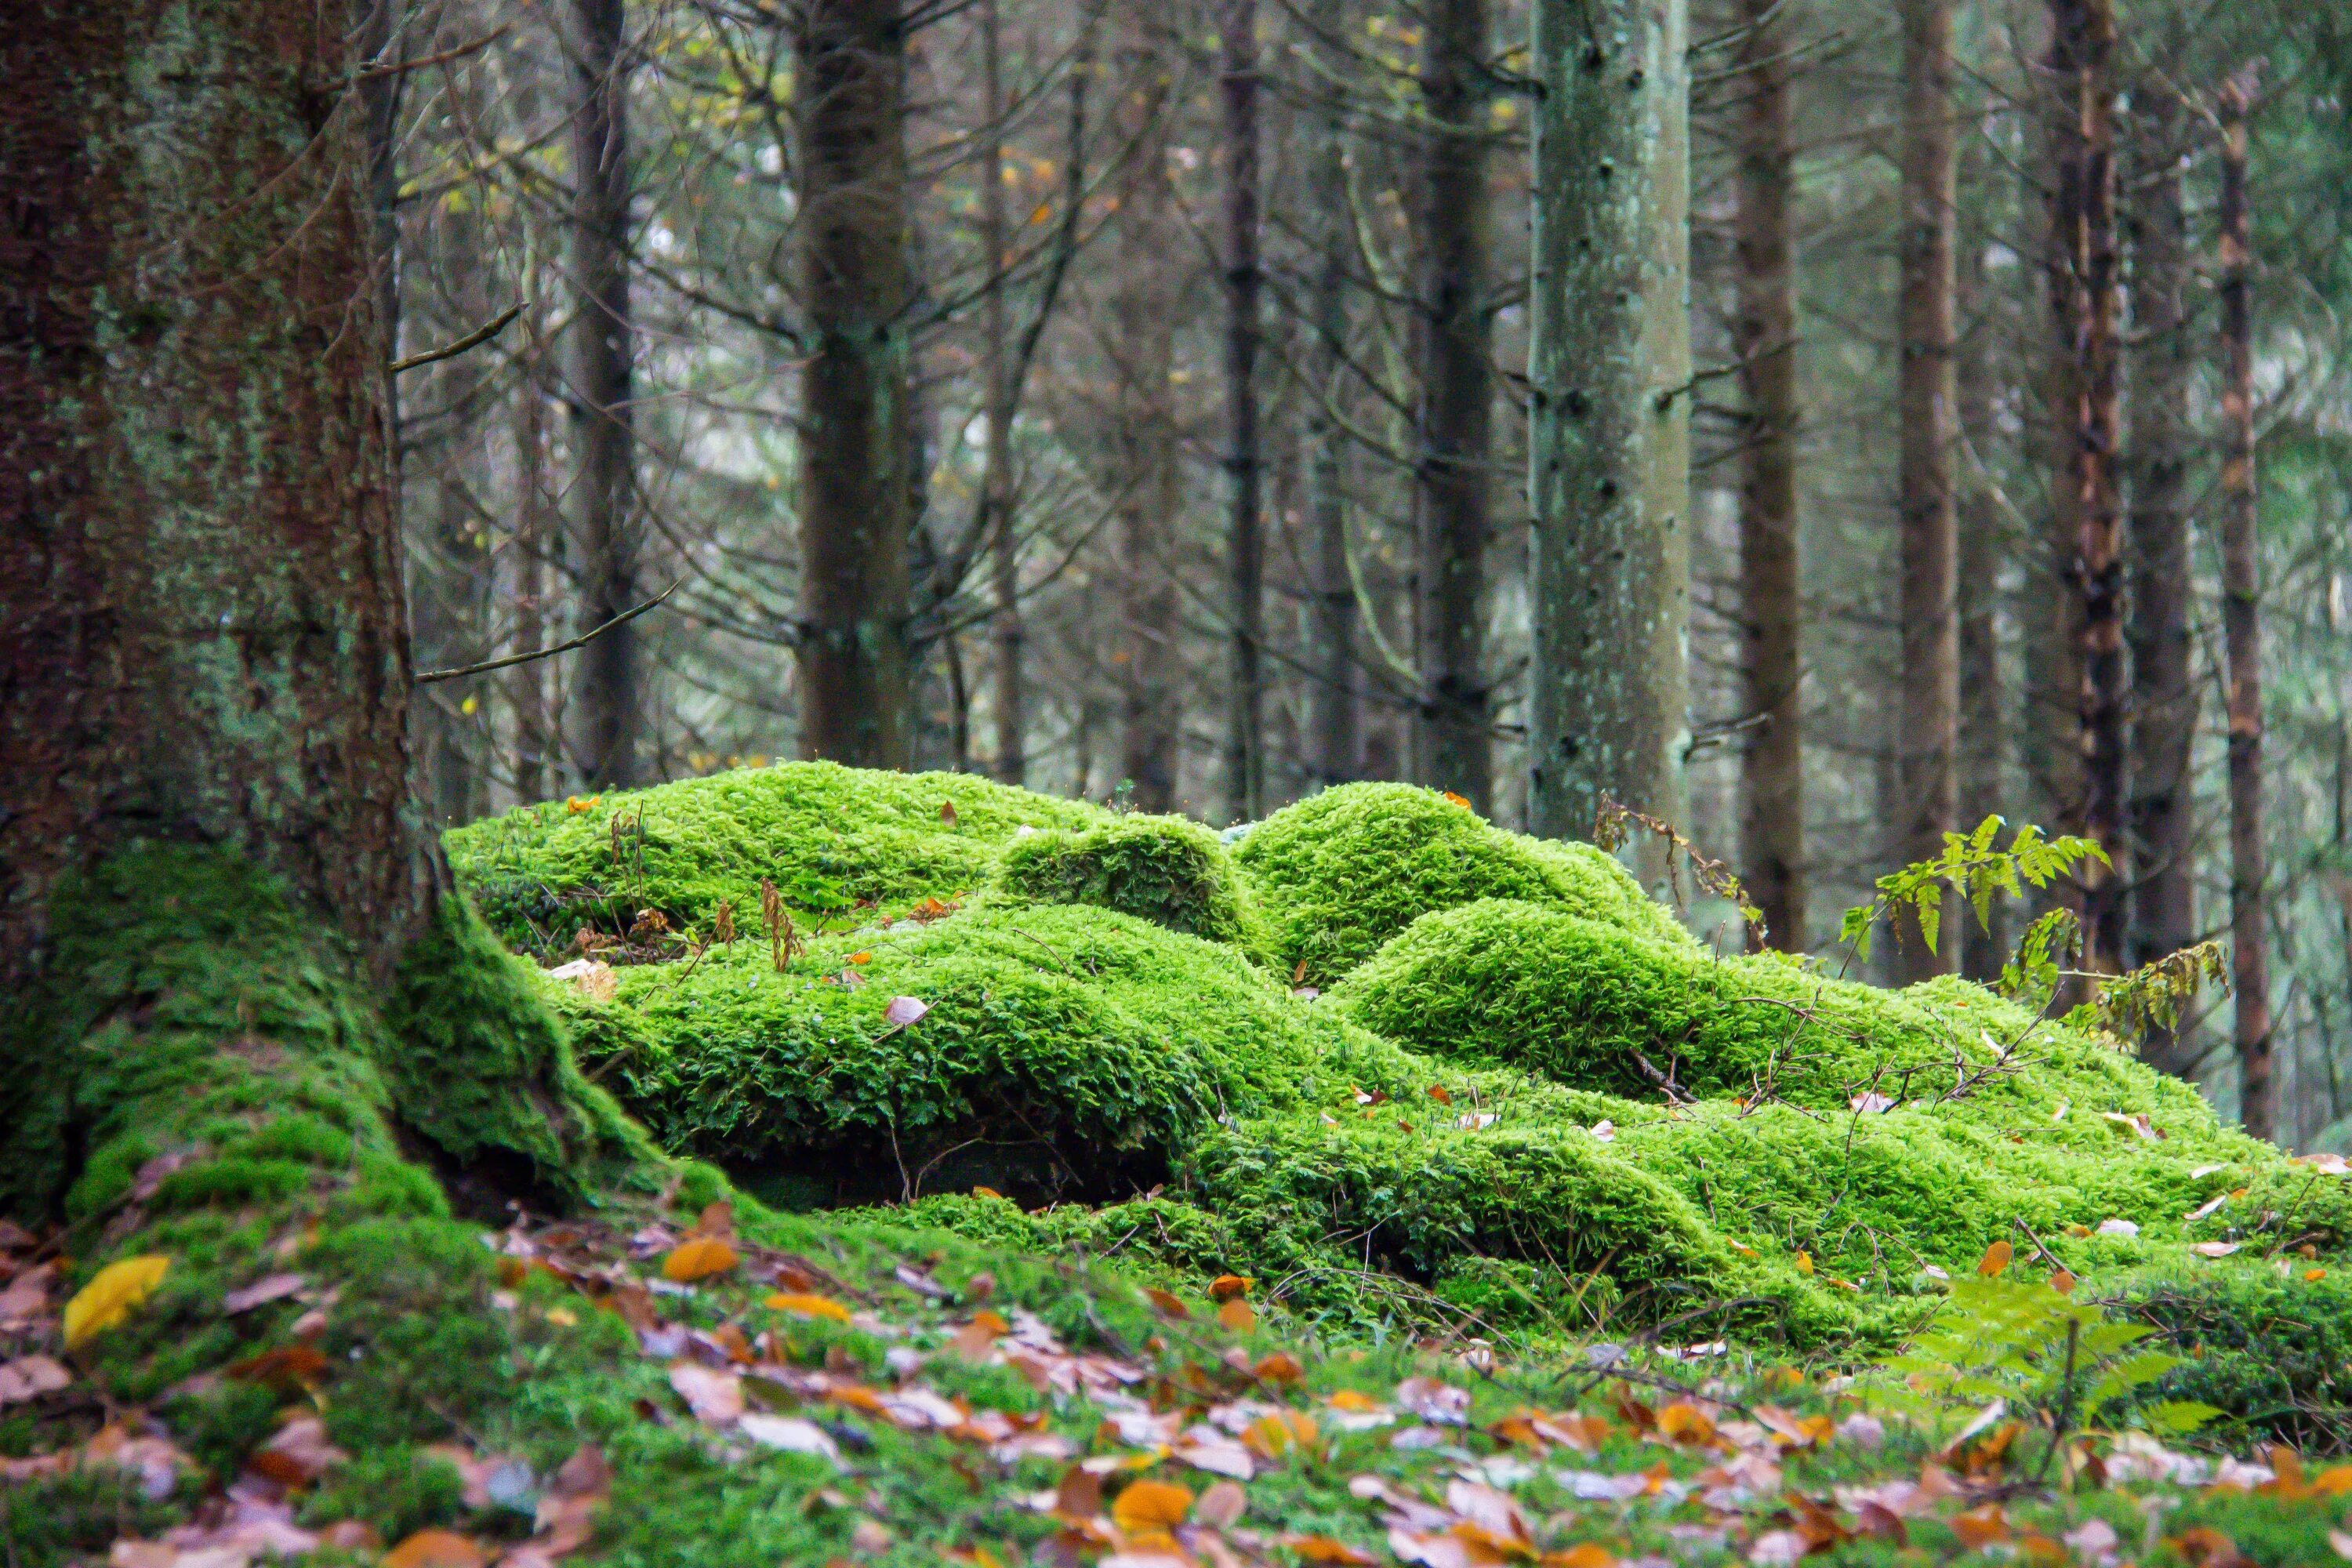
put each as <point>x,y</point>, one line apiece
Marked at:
<point>270,1288</point>
<point>29,1377</point>
<point>861,957</point>
<point>2121,1228</point>
<point>1870,1103</point>
<point>1981,1526</point>
<point>1238,1316</point>
<point>1604,1129</point>
<point>713,1396</point>
<point>1281,1369</point>
<point>1221,1505</point>
<point>2213,1249</point>
<point>1804,1262</point>
<point>1996,1258</point>
<point>800,1304</point>
<point>1449,794</point>
<point>698,1258</point>
<point>1583,1554</point>
<point>592,976</point>
<point>111,1295</point>
<point>290,1366</point>
<point>1151,1505</point>
<point>904,1010</point>
<point>1437,1092</point>
<point>789,1433</point>
<point>1225,1287</point>
<point>438,1549</point>
<point>297,1454</point>
<point>1322,1549</point>
<point>1168,1305</point>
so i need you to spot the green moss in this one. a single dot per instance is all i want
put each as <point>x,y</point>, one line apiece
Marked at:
<point>828,836</point>
<point>1342,871</point>
<point>1168,870</point>
<point>2271,1349</point>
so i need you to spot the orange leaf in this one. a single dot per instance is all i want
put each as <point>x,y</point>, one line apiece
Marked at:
<point>1238,1316</point>
<point>802,1305</point>
<point>1437,1092</point>
<point>1683,1422</point>
<point>1168,1304</point>
<point>1151,1505</point>
<point>1584,1555</point>
<point>1349,1399</point>
<point>436,1549</point>
<point>1981,1526</point>
<point>1456,799</point>
<point>1225,1287</point>
<point>1996,1258</point>
<point>1804,1263</point>
<point>980,1192</point>
<point>861,957</point>
<point>1322,1549</point>
<point>1280,1368</point>
<point>698,1258</point>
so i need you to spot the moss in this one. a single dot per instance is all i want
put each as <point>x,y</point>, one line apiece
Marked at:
<point>1342,871</point>
<point>828,836</point>
<point>1168,870</point>
<point>2271,1350</point>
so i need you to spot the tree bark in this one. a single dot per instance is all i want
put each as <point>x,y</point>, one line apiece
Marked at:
<point>1456,395</point>
<point>2164,700</point>
<point>534,752</point>
<point>1985,716</point>
<point>608,702</point>
<point>1609,439</point>
<point>2242,627</point>
<point>1772,775</point>
<point>1927,741</point>
<point>202,633</point>
<point>1143,436</point>
<point>855,696</point>
<point>1334,696</point>
<point>1006,633</point>
<point>1244,745</point>
<point>2084,34</point>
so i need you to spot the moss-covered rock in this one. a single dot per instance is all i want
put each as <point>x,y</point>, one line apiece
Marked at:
<point>1341,872</point>
<point>1168,870</point>
<point>827,836</point>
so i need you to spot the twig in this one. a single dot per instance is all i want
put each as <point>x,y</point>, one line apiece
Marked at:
<point>474,339</point>
<point>426,677</point>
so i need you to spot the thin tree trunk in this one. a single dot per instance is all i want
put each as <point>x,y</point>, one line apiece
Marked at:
<point>2053,663</point>
<point>2086,31</point>
<point>608,704</point>
<point>2164,702</point>
<point>1772,774</point>
<point>854,698</point>
<point>201,634</point>
<point>1985,716</point>
<point>2242,628</point>
<point>1006,632</point>
<point>1456,396</point>
<point>527,683</point>
<point>1245,747</point>
<point>1609,439</point>
<point>451,608</point>
<point>1334,696</point>
<point>1927,740</point>
<point>1143,436</point>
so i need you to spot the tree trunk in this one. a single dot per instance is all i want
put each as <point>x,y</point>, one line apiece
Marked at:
<point>1245,747</point>
<point>1985,716</point>
<point>534,758</point>
<point>2084,34</point>
<point>1456,393</point>
<point>1609,439</point>
<point>1927,741</point>
<point>1335,695</point>
<point>1006,632</point>
<point>854,698</point>
<point>2054,665</point>
<point>2242,627</point>
<point>608,703</point>
<point>2164,700</point>
<point>1772,773</point>
<point>452,602</point>
<point>1143,436</point>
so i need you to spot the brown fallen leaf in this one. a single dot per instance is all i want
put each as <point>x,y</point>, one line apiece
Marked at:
<point>267,1289</point>
<point>1221,1505</point>
<point>1168,1305</point>
<point>1238,1316</point>
<point>1225,1287</point>
<point>297,1454</point>
<point>1996,1258</point>
<point>1151,1505</point>
<point>714,1396</point>
<point>29,1377</point>
<point>438,1549</point>
<point>1323,1550</point>
<point>698,1258</point>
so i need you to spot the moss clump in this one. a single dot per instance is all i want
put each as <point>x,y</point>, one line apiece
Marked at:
<point>2271,1351</point>
<point>1066,1050</point>
<point>828,836</point>
<point>1168,870</point>
<point>1341,872</point>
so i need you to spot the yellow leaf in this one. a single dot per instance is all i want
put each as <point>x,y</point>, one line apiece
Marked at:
<point>980,1191</point>
<point>1225,1287</point>
<point>1151,1505</point>
<point>1584,1555</point>
<point>1323,1550</point>
<point>698,1258</point>
<point>108,1298</point>
<point>1804,1263</point>
<point>1238,1316</point>
<point>2314,1276</point>
<point>806,1305</point>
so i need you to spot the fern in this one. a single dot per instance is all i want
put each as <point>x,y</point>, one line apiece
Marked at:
<point>1973,865</point>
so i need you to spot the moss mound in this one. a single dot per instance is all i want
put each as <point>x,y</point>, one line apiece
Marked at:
<point>1168,870</point>
<point>829,838</point>
<point>1341,872</point>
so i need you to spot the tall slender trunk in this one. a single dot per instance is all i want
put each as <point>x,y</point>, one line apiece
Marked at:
<point>854,697</point>
<point>1335,695</point>
<point>1006,632</point>
<point>452,606</point>
<point>1143,436</point>
<point>1771,606</point>
<point>1245,747</point>
<point>201,634</point>
<point>1609,439</point>
<point>2086,29</point>
<point>1456,396</point>
<point>2053,663</point>
<point>1985,715</point>
<point>608,704</point>
<point>525,684</point>
<point>2164,701</point>
<point>1927,740</point>
<point>2242,627</point>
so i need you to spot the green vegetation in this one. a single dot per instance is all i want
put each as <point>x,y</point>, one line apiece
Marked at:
<point>1168,870</point>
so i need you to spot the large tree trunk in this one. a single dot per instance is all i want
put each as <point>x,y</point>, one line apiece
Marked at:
<point>1771,606</point>
<point>1456,393</point>
<point>2241,627</point>
<point>1245,747</point>
<point>1145,481</point>
<point>1335,699</point>
<point>1006,631</point>
<point>1609,439</point>
<point>607,700</point>
<point>2083,41</point>
<point>2164,701</point>
<point>854,701</point>
<point>1985,714</point>
<point>2053,663</point>
<point>1927,740</point>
